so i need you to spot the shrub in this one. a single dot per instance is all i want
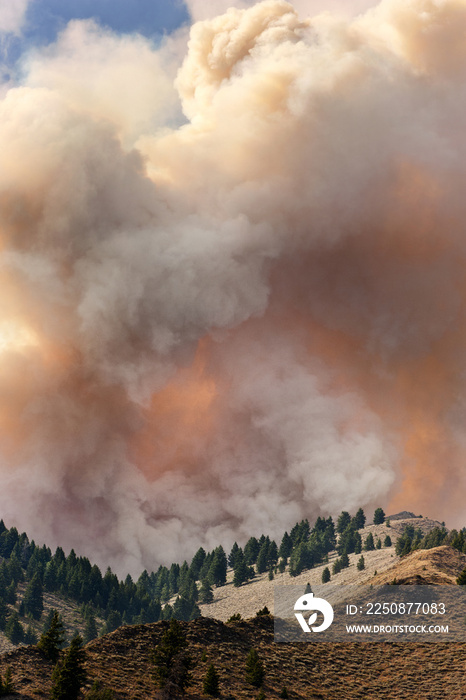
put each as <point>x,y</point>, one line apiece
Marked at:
<point>255,671</point>
<point>211,682</point>
<point>263,611</point>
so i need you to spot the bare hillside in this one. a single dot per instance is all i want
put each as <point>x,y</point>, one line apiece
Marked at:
<point>437,566</point>
<point>356,671</point>
<point>259,592</point>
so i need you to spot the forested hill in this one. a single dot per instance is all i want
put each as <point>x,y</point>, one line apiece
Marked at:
<point>29,573</point>
<point>34,581</point>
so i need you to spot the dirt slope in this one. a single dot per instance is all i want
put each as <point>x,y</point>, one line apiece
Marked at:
<point>437,566</point>
<point>373,671</point>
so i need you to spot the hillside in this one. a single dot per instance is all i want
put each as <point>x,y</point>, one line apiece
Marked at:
<point>252,596</point>
<point>69,610</point>
<point>228,600</point>
<point>439,566</point>
<point>121,660</point>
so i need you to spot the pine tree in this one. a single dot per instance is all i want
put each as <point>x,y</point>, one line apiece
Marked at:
<point>326,575</point>
<point>336,568</point>
<point>233,554</point>
<point>251,550</point>
<point>387,541</point>
<point>403,543</point>
<point>369,543</point>
<point>357,543</point>
<point>188,587</point>
<point>378,544</point>
<point>379,516</point>
<point>261,563</point>
<point>10,593</point>
<point>218,568</point>
<point>167,612</point>
<point>48,620</point>
<point>461,580</point>
<point>173,578</point>
<point>16,570</point>
<point>301,558</point>
<point>14,630</point>
<point>90,630</point>
<point>69,676</point>
<point>181,577</point>
<point>361,564</point>
<point>407,548</point>
<point>343,521</point>
<point>33,598</point>
<point>272,553</point>
<point>348,539</point>
<point>204,572</point>
<point>206,594</point>
<point>300,532</point>
<point>165,593</point>
<point>255,672</point>
<point>211,682</point>
<point>50,576</point>
<point>241,571</point>
<point>7,688</point>
<point>113,621</point>
<point>286,546</point>
<point>171,660</point>
<point>360,519</point>
<point>3,614</point>
<point>197,562</point>
<point>51,640</point>
<point>30,637</point>
<point>185,609</point>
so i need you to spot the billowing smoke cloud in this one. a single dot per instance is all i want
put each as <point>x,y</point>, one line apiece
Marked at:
<point>217,324</point>
<point>12,13</point>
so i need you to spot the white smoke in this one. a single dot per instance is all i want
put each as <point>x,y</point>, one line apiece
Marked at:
<point>12,15</point>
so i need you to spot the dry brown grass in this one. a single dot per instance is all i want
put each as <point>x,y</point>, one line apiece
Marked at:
<point>250,598</point>
<point>356,671</point>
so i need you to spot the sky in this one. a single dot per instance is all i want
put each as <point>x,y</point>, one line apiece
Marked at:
<point>231,269</point>
<point>32,23</point>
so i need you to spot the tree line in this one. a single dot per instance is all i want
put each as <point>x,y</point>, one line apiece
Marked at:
<point>170,592</point>
<point>413,538</point>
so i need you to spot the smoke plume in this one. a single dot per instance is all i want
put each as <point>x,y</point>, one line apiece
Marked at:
<point>233,294</point>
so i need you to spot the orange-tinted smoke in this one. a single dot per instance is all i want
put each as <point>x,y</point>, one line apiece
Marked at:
<point>178,422</point>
